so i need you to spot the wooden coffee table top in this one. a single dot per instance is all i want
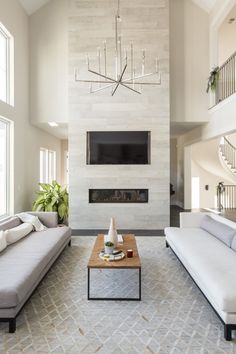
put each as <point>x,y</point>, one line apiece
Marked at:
<point>129,243</point>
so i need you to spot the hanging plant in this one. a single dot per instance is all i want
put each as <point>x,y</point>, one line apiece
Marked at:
<point>212,80</point>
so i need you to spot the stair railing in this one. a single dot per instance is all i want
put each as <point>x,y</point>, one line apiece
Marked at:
<point>226,196</point>
<point>228,152</point>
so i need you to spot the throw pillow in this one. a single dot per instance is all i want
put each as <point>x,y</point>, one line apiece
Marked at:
<point>222,232</point>
<point>16,233</point>
<point>32,219</point>
<point>3,242</point>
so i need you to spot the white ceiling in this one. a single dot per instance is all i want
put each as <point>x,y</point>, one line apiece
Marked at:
<point>206,5</point>
<point>31,6</point>
<point>178,128</point>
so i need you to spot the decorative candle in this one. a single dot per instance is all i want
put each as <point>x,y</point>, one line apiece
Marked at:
<point>129,253</point>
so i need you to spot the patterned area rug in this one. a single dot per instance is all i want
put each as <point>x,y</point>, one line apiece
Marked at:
<point>173,316</point>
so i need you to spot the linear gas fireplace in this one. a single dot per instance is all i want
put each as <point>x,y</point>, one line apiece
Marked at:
<point>118,195</point>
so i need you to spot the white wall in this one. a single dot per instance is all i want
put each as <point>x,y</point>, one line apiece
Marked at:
<point>27,139</point>
<point>189,61</point>
<point>173,169</point>
<point>207,197</point>
<point>49,63</point>
<point>222,122</point>
<point>64,151</point>
<point>226,38</point>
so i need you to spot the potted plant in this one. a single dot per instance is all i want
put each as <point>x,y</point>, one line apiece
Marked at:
<point>53,197</point>
<point>109,247</point>
<point>212,80</point>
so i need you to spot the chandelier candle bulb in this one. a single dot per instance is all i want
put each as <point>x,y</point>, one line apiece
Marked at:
<point>126,57</point>
<point>143,62</point>
<point>132,61</point>
<point>87,60</point>
<point>105,57</point>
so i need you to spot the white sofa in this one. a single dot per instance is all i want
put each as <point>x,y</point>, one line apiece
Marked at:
<point>209,261</point>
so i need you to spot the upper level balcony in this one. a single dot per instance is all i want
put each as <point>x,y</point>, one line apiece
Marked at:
<point>222,81</point>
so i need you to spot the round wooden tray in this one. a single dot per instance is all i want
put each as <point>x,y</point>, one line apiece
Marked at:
<point>111,257</point>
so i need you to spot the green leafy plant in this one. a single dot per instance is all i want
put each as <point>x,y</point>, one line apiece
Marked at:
<point>109,244</point>
<point>213,79</point>
<point>52,197</point>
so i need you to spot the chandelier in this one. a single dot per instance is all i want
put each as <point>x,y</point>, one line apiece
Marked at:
<point>131,80</point>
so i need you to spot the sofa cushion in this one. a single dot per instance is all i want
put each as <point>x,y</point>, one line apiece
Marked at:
<point>211,263</point>
<point>233,244</point>
<point>3,242</point>
<point>24,261</point>
<point>221,231</point>
<point>16,233</point>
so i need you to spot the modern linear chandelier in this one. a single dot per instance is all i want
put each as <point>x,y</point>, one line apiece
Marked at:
<point>105,81</point>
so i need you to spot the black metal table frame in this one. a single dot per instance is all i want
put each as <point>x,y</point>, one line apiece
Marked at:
<point>116,298</point>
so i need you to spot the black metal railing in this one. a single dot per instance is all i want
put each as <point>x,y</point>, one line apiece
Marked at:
<point>226,196</point>
<point>228,151</point>
<point>226,79</point>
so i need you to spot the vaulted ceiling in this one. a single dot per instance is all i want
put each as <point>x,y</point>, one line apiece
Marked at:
<point>33,5</point>
<point>206,5</point>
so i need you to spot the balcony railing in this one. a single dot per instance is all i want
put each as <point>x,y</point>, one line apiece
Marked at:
<point>226,80</point>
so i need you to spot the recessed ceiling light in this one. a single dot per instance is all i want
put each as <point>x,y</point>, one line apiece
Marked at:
<point>53,124</point>
<point>231,20</point>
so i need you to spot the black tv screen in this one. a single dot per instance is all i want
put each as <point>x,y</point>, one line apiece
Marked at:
<point>118,148</point>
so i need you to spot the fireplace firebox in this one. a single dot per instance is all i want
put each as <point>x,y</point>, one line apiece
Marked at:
<point>118,195</point>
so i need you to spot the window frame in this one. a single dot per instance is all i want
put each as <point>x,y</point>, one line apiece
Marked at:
<point>8,168</point>
<point>47,167</point>
<point>9,65</point>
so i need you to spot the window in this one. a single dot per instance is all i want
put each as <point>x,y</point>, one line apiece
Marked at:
<point>4,167</point>
<point>47,165</point>
<point>6,65</point>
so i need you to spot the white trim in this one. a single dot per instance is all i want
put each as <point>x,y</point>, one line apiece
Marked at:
<point>48,172</point>
<point>9,167</point>
<point>9,64</point>
<point>221,104</point>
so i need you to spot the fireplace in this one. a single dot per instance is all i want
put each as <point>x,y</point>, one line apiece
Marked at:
<point>118,195</point>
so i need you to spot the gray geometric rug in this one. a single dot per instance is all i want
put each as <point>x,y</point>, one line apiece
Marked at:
<point>172,318</point>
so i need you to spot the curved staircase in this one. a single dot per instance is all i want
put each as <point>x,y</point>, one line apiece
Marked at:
<point>227,153</point>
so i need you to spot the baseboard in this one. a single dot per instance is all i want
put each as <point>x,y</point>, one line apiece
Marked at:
<point>93,232</point>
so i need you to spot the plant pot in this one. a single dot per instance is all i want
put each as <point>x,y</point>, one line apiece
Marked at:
<point>109,250</point>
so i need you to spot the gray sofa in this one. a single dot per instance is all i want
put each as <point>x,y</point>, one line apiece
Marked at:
<point>210,259</point>
<point>24,263</point>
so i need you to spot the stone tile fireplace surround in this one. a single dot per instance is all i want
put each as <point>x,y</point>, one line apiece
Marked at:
<point>146,23</point>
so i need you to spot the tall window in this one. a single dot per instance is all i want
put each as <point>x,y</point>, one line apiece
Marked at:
<point>6,65</point>
<point>47,165</point>
<point>4,167</point>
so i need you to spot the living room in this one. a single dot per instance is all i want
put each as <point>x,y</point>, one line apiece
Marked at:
<point>108,99</point>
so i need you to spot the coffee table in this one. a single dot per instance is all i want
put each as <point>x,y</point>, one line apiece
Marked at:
<point>127,263</point>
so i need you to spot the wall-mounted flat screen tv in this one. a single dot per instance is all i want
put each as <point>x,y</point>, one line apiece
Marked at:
<point>118,148</point>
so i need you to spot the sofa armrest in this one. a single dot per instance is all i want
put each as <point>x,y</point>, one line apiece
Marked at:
<point>189,219</point>
<point>48,218</point>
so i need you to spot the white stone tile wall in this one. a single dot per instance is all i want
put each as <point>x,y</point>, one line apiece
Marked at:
<point>146,24</point>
